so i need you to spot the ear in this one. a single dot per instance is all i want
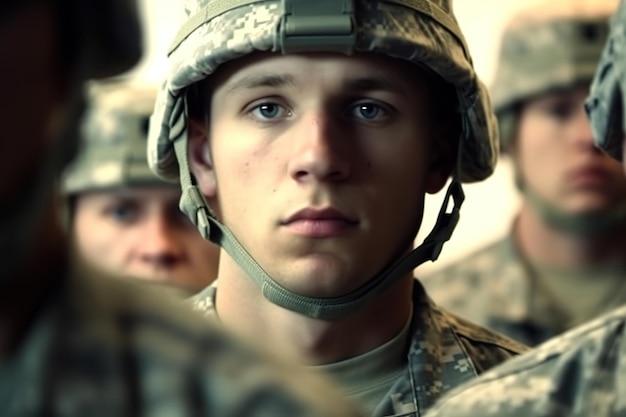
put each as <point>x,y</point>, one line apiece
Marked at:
<point>442,161</point>
<point>200,158</point>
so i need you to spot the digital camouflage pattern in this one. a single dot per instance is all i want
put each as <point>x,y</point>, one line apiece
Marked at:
<point>604,105</point>
<point>429,37</point>
<point>544,48</point>
<point>497,288</point>
<point>105,347</point>
<point>492,287</point>
<point>579,374</point>
<point>445,351</point>
<point>114,136</point>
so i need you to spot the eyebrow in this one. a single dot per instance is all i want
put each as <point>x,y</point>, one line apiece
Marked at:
<point>262,80</point>
<point>361,84</point>
<point>376,83</point>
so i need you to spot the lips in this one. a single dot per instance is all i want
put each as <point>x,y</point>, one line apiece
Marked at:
<point>319,223</point>
<point>589,175</point>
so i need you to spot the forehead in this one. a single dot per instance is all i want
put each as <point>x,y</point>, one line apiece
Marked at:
<point>331,67</point>
<point>144,194</point>
<point>573,94</point>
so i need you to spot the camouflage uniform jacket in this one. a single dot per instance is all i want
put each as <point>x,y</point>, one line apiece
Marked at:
<point>107,348</point>
<point>578,374</point>
<point>445,351</point>
<point>494,287</point>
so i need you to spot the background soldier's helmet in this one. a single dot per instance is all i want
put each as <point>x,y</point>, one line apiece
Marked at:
<point>605,104</point>
<point>114,135</point>
<point>425,33</point>
<point>546,48</point>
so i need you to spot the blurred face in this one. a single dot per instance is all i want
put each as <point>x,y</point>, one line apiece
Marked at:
<point>558,161</point>
<point>319,164</point>
<point>141,232</point>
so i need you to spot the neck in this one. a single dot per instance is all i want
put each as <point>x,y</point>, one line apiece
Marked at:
<point>541,243</point>
<point>308,341</point>
<point>21,298</point>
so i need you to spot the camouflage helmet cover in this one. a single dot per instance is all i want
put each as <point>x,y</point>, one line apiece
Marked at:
<point>545,48</point>
<point>423,32</point>
<point>605,104</point>
<point>114,135</point>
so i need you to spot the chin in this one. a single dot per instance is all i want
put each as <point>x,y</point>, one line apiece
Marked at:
<point>319,282</point>
<point>597,206</point>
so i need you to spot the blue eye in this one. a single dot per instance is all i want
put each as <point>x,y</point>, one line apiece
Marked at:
<point>368,111</point>
<point>562,111</point>
<point>122,213</point>
<point>268,111</point>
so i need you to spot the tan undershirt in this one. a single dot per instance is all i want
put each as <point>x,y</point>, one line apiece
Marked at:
<point>581,294</point>
<point>367,378</point>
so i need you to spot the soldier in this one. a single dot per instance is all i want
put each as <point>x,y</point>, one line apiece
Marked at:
<point>73,342</point>
<point>123,218</point>
<point>562,262</point>
<point>582,372</point>
<point>305,136</point>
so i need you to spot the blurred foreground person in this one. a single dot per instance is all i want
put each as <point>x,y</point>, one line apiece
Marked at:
<point>563,262</point>
<point>73,342</point>
<point>305,136</point>
<point>581,373</point>
<point>123,218</point>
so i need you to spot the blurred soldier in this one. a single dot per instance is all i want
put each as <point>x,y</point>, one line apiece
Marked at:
<point>582,372</point>
<point>123,218</point>
<point>73,342</point>
<point>563,262</point>
<point>305,136</point>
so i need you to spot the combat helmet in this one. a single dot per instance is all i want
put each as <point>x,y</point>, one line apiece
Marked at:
<point>605,104</point>
<point>114,133</point>
<point>422,32</point>
<point>544,48</point>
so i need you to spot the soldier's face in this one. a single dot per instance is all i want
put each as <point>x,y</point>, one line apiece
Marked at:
<point>141,232</point>
<point>557,158</point>
<point>31,92</point>
<point>318,163</point>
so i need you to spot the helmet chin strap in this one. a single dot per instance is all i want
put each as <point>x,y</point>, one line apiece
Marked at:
<point>194,205</point>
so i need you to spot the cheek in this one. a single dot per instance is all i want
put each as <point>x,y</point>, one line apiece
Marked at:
<point>403,163</point>
<point>245,172</point>
<point>96,237</point>
<point>539,151</point>
<point>200,251</point>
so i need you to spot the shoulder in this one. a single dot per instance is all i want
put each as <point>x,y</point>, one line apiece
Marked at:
<point>204,301</point>
<point>485,347</point>
<point>157,322</point>
<point>482,347</point>
<point>468,275</point>
<point>185,354</point>
<point>577,374</point>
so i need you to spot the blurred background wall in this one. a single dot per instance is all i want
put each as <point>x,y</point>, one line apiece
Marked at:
<point>489,206</point>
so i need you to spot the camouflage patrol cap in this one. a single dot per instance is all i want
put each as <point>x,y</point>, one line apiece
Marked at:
<point>605,104</point>
<point>423,32</point>
<point>114,135</point>
<point>544,48</point>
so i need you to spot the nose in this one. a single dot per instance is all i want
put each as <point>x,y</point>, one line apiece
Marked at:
<point>160,248</point>
<point>580,130</point>
<point>320,150</point>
